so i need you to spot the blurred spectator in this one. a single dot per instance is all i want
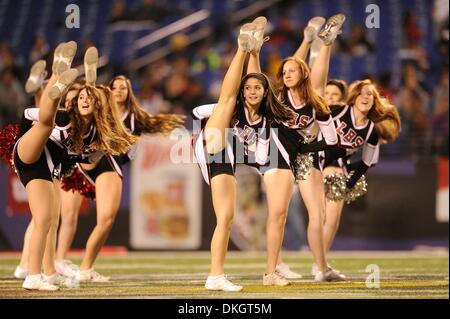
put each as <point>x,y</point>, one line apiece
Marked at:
<point>384,86</point>
<point>413,103</point>
<point>39,50</point>
<point>8,61</point>
<point>12,98</point>
<point>440,17</point>
<point>359,44</point>
<point>412,32</point>
<point>440,115</point>
<point>440,126</point>
<point>285,36</point>
<point>273,62</point>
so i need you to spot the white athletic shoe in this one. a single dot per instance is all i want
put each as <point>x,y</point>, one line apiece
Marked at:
<point>329,275</point>
<point>331,29</point>
<point>90,275</point>
<point>90,65</point>
<point>63,57</point>
<point>260,23</point>
<point>36,77</point>
<point>221,283</point>
<point>66,268</point>
<point>59,280</point>
<point>274,279</point>
<point>37,282</point>
<point>286,272</point>
<point>63,83</point>
<point>312,29</point>
<point>315,269</point>
<point>20,273</point>
<point>246,42</point>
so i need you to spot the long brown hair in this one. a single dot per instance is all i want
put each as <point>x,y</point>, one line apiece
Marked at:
<point>146,123</point>
<point>382,113</point>
<point>270,107</point>
<point>112,136</point>
<point>304,86</point>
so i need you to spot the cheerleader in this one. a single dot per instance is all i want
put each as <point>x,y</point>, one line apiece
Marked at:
<point>106,174</point>
<point>246,106</point>
<point>41,149</point>
<point>311,116</point>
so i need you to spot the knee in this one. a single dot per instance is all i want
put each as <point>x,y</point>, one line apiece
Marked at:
<point>69,218</point>
<point>225,222</point>
<point>42,222</point>
<point>316,219</point>
<point>278,217</point>
<point>107,222</point>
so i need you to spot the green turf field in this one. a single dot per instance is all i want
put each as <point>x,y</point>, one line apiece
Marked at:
<point>182,275</point>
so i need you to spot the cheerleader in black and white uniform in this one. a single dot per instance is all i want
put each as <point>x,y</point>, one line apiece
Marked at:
<point>236,132</point>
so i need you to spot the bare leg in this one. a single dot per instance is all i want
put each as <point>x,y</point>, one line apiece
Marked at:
<point>70,207</point>
<point>32,143</point>
<point>26,246</point>
<point>49,255</point>
<point>333,215</point>
<point>41,199</point>
<point>223,188</point>
<point>215,129</point>
<point>254,66</point>
<point>108,188</point>
<point>279,186</point>
<point>312,191</point>
<point>320,69</point>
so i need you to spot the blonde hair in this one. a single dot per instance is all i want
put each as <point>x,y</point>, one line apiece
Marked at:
<point>382,113</point>
<point>304,86</point>
<point>146,123</point>
<point>112,136</point>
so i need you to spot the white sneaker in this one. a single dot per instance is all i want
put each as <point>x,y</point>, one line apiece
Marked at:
<point>63,83</point>
<point>274,279</point>
<point>286,272</point>
<point>66,268</point>
<point>59,280</point>
<point>90,65</point>
<point>91,275</point>
<point>20,273</point>
<point>36,77</point>
<point>258,33</point>
<point>221,283</point>
<point>315,269</point>
<point>37,282</point>
<point>331,29</point>
<point>246,42</point>
<point>63,57</point>
<point>312,29</point>
<point>329,275</point>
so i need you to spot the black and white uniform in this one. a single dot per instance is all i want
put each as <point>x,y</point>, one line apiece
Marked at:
<point>247,143</point>
<point>110,163</point>
<point>303,128</point>
<point>57,151</point>
<point>351,138</point>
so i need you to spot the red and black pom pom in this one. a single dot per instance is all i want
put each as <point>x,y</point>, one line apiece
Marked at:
<point>8,138</point>
<point>78,182</point>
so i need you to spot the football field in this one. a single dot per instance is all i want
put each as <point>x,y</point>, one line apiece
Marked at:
<point>181,275</point>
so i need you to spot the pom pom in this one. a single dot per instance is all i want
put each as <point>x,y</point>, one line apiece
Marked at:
<point>302,166</point>
<point>8,138</point>
<point>358,190</point>
<point>77,182</point>
<point>335,187</point>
